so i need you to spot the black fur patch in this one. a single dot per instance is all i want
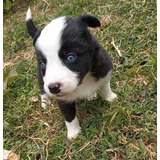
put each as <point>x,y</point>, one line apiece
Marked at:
<point>37,34</point>
<point>76,39</point>
<point>101,62</point>
<point>89,20</point>
<point>67,109</point>
<point>40,59</point>
<point>40,72</point>
<point>91,57</point>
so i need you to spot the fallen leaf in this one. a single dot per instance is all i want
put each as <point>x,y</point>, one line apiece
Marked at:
<point>33,99</point>
<point>9,155</point>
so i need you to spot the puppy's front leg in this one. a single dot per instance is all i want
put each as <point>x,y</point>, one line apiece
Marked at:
<point>105,90</point>
<point>68,110</point>
<point>45,100</point>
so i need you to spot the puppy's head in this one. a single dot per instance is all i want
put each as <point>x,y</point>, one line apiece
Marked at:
<point>64,50</point>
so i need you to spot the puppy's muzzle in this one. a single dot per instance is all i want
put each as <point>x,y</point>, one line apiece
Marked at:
<point>54,88</point>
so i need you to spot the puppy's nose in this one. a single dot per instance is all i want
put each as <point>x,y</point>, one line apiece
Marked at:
<point>54,87</point>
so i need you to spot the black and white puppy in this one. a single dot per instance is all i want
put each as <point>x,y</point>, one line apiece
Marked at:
<point>71,64</point>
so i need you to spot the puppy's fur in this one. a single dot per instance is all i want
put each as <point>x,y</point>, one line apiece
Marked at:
<point>71,64</point>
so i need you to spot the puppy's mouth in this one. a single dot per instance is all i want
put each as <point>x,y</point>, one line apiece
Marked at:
<point>60,95</point>
<point>63,95</point>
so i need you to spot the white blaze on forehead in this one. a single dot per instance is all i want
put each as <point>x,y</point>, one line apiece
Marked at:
<point>49,43</point>
<point>49,40</point>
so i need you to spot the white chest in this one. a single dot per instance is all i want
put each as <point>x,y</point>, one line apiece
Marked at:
<point>87,89</point>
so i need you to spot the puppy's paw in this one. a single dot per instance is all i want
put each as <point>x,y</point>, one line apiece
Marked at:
<point>73,128</point>
<point>94,96</point>
<point>73,133</point>
<point>45,101</point>
<point>111,97</point>
<point>44,105</point>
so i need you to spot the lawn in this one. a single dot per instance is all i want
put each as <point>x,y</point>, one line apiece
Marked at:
<point>121,130</point>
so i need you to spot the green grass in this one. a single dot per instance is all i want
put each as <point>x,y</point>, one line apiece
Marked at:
<point>125,129</point>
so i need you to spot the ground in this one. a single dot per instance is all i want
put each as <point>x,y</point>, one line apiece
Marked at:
<point>123,129</point>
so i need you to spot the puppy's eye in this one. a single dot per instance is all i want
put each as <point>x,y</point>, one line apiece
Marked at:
<point>43,66</point>
<point>71,58</point>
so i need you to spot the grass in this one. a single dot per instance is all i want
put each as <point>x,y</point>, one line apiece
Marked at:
<point>125,129</point>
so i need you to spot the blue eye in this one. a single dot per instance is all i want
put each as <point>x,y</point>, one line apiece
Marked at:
<point>43,66</point>
<point>71,58</point>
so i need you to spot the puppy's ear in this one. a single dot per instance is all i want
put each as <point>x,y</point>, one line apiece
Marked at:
<point>32,30</point>
<point>90,20</point>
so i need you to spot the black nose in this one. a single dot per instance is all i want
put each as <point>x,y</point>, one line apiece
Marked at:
<point>54,87</point>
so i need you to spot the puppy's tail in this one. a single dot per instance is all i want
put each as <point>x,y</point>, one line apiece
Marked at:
<point>30,25</point>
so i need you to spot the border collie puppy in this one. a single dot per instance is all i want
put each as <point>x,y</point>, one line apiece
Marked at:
<point>71,64</point>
